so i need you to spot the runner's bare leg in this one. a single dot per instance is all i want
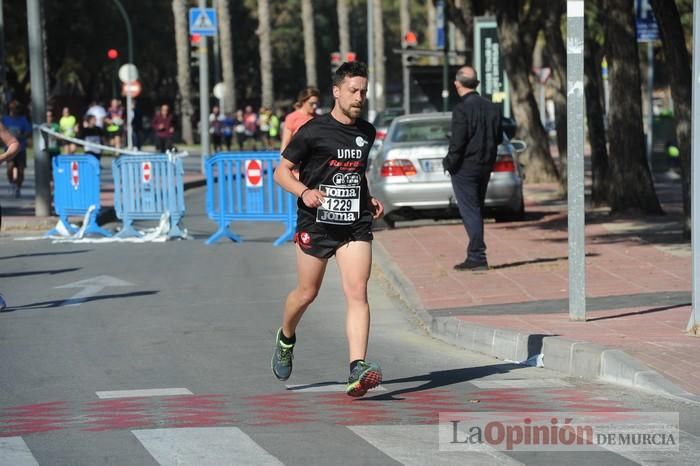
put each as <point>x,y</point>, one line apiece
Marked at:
<point>355,263</point>
<point>310,271</point>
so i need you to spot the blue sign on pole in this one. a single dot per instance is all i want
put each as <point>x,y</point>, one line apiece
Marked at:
<point>203,21</point>
<point>647,29</point>
<point>440,20</point>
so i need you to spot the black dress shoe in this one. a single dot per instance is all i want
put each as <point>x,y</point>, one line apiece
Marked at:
<point>472,266</point>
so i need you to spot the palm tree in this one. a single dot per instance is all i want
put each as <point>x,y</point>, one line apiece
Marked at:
<point>379,68</point>
<point>307,19</point>
<point>224,15</point>
<point>343,27</point>
<point>182,48</point>
<point>265,47</point>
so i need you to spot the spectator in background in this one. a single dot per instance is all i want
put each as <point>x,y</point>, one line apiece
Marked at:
<point>227,125</point>
<point>136,124</point>
<point>163,125</point>
<point>52,146</point>
<point>114,123</point>
<point>250,123</point>
<point>306,104</point>
<point>239,129</point>
<point>69,128</point>
<point>274,129</point>
<point>264,127</point>
<point>98,111</point>
<point>19,127</point>
<point>92,134</point>
<point>216,128</point>
<point>12,147</point>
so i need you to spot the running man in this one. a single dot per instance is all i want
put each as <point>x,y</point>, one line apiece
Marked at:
<point>12,147</point>
<point>335,212</point>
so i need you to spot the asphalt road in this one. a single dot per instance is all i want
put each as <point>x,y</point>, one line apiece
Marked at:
<point>159,353</point>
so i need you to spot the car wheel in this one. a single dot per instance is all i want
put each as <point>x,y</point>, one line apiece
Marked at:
<point>512,215</point>
<point>388,222</point>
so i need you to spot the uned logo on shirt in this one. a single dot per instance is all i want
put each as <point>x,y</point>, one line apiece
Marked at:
<point>360,141</point>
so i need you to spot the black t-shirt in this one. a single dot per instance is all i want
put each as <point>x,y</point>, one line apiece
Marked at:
<point>332,157</point>
<point>92,135</point>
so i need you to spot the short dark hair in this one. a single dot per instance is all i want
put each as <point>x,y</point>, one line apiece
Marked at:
<point>349,69</point>
<point>470,82</point>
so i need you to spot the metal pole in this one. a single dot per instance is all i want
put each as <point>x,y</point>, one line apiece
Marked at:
<point>130,57</point>
<point>203,92</point>
<point>694,322</point>
<point>405,16</point>
<point>42,164</point>
<point>445,61</point>
<point>575,170</point>
<point>3,74</point>
<point>650,99</point>
<point>371,113</point>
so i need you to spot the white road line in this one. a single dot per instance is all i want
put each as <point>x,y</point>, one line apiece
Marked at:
<point>145,392</point>
<point>336,387</point>
<point>521,383</point>
<point>418,445</point>
<point>206,445</point>
<point>14,451</point>
<point>688,454</point>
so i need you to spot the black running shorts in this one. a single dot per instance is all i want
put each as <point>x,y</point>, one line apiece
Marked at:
<point>323,240</point>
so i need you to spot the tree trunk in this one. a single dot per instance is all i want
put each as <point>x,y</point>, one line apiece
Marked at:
<point>596,125</point>
<point>677,59</point>
<point>226,42</point>
<point>557,56</point>
<point>461,13</point>
<point>538,162</point>
<point>265,53</point>
<point>632,187</point>
<point>307,20</point>
<point>379,66</point>
<point>343,28</point>
<point>184,84</point>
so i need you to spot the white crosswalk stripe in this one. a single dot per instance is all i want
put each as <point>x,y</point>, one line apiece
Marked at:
<point>418,445</point>
<point>204,445</point>
<point>14,451</point>
<point>142,393</point>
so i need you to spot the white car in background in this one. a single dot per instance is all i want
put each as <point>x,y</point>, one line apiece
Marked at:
<point>405,172</point>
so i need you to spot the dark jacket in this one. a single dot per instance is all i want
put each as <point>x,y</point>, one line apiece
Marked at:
<point>476,133</point>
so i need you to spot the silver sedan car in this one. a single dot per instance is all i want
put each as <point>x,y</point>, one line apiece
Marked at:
<point>405,172</point>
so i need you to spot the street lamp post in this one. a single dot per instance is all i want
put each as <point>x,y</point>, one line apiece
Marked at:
<point>130,58</point>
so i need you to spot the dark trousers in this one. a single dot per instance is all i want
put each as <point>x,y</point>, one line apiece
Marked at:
<point>469,185</point>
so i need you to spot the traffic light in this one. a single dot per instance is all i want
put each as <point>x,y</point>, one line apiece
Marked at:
<point>410,41</point>
<point>194,50</point>
<point>112,54</point>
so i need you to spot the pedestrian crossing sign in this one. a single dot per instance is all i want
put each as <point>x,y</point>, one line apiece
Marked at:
<point>203,21</point>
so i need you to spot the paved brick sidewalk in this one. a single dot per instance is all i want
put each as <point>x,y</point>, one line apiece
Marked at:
<point>638,276</point>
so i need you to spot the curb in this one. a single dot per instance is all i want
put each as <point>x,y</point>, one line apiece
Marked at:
<point>574,358</point>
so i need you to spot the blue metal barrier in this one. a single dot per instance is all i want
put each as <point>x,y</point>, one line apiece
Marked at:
<point>145,188</point>
<point>240,187</point>
<point>76,189</point>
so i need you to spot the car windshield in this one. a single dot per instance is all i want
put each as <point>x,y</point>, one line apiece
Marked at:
<point>421,131</point>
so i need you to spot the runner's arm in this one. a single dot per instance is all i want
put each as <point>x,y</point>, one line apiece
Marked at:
<point>10,142</point>
<point>374,204</point>
<point>284,176</point>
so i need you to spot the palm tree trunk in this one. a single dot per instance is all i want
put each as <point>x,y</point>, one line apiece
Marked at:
<point>182,47</point>
<point>677,60</point>
<point>265,53</point>
<point>226,43</point>
<point>596,124</point>
<point>379,66</point>
<point>539,165</point>
<point>631,184</point>
<point>307,19</point>
<point>343,27</point>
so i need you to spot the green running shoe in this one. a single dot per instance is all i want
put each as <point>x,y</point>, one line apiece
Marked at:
<point>282,358</point>
<point>364,377</point>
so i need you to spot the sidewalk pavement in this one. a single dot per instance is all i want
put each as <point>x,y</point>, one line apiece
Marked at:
<point>638,285</point>
<point>638,288</point>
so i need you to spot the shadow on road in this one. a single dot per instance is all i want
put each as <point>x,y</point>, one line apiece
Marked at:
<point>71,302</point>
<point>38,272</point>
<point>36,254</point>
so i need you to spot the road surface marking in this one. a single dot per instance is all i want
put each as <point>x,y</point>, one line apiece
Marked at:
<point>91,287</point>
<point>418,445</point>
<point>206,445</point>
<point>145,392</point>
<point>334,387</point>
<point>14,451</point>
